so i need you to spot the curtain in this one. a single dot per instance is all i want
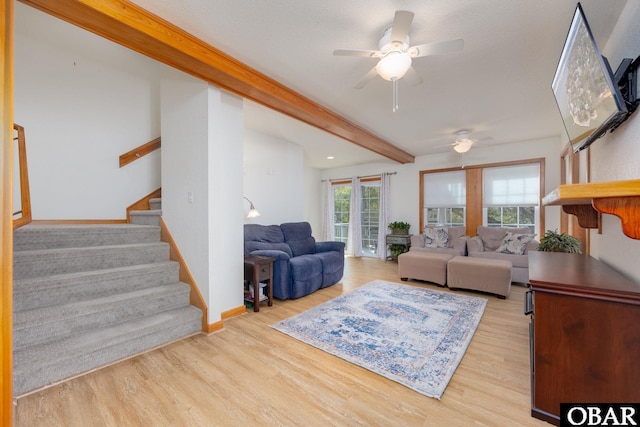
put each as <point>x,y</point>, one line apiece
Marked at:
<point>354,239</point>
<point>328,228</point>
<point>383,216</point>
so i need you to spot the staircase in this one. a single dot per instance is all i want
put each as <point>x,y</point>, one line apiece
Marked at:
<point>85,296</point>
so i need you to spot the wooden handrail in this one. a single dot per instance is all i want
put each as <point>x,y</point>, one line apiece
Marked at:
<point>139,152</point>
<point>25,195</point>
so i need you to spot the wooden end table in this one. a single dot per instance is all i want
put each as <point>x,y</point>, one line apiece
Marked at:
<point>259,269</point>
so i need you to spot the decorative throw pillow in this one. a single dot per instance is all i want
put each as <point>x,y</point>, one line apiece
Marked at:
<point>436,237</point>
<point>514,243</point>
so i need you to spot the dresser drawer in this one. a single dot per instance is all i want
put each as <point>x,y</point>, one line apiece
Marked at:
<point>264,271</point>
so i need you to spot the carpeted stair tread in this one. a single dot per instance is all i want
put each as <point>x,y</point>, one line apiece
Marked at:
<point>155,204</point>
<point>34,237</point>
<point>68,260</point>
<point>43,365</point>
<point>30,293</point>
<point>50,323</point>
<point>149,217</point>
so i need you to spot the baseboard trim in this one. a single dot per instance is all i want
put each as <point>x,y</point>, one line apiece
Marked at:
<point>214,327</point>
<point>233,312</point>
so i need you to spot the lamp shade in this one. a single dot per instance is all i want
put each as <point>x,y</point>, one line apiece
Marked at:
<point>394,65</point>
<point>253,212</point>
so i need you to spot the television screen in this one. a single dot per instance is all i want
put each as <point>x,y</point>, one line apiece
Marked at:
<point>589,100</point>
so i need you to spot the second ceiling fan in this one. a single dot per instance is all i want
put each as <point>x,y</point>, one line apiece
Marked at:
<point>395,54</point>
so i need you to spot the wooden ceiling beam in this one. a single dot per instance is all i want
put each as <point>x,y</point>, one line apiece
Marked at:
<point>136,28</point>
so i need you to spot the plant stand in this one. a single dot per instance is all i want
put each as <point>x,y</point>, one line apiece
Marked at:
<point>399,241</point>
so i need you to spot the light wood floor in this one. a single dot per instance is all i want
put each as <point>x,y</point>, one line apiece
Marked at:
<point>249,373</point>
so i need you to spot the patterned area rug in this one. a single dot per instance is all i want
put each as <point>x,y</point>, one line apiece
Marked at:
<point>411,335</point>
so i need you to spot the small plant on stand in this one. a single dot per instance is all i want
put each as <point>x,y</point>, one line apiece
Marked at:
<point>399,227</point>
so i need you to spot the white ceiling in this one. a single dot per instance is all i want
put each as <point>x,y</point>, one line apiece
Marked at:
<point>498,87</point>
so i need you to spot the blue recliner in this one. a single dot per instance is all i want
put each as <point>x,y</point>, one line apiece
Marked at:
<point>302,265</point>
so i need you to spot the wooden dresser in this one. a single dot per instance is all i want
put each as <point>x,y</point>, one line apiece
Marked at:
<point>584,332</point>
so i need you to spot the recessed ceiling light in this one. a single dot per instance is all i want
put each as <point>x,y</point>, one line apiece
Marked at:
<point>329,157</point>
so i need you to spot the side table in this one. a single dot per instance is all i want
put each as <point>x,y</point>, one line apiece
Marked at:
<point>398,239</point>
<point>259,269</point>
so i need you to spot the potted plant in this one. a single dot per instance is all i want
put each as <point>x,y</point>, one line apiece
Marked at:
<point>559,242</point>
<point>396,250</point>
<point>399,227</point>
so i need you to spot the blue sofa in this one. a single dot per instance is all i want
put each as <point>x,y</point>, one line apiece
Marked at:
<point>302,265</point>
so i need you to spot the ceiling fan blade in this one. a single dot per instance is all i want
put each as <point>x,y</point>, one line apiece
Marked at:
<point>436,48</point>
<point>412,77</point>
<point>358,52</point>
<point>366,79</point>
<point>400,27</point>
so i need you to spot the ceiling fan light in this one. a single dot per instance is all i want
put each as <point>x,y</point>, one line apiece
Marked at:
<point>394,64</point>
<point>462,145</point>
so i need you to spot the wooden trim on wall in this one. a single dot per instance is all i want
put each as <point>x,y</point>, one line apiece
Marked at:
<point>25,194</point>
<point>570,174</point>
<point>195,297</point>
<point>214,327</point>
<point>136,28</point>
<point>140,152</point>
<point>564,172</point>
<point>474,200</point>
<point>6,212</point>
<point>143,204</point>
<point>233,312</point>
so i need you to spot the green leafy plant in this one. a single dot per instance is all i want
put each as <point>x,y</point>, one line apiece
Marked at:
<point>397,226</point>
<point>396,250</point>
<point>559,242</point>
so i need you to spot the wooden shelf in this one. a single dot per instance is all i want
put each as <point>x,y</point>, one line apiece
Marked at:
<point>588,201</point>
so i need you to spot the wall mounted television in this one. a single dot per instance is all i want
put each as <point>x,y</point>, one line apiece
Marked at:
<point>592,100</point>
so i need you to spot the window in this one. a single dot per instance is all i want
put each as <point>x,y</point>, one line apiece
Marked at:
<point>445,198</point>
<point>497,194</point>
<point>369,213</point>
<point>511,196</point>
<point>342,203</point>
<point>369,219</point>
<point>449,217</point>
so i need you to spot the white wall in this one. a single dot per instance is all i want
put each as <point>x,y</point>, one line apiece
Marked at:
<point>616,156</point>
<point>83,102</point>
<point>405,185</point>
<point>313,204</point>
<point>201,185</point>
<point>274,179</point>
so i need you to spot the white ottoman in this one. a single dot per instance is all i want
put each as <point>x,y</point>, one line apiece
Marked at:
<point>428,266</point>
<point>480,274</point>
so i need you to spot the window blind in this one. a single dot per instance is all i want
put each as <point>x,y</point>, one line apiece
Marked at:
<point>445,189</point>
<point>517,185</point>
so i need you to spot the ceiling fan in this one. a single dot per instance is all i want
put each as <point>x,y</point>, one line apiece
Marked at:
<point>463,143</point>
<point>395,54</point>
